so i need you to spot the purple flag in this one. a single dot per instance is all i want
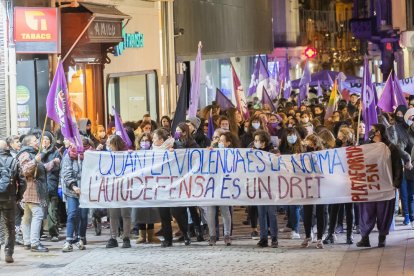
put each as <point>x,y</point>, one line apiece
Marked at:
<point>399,94</point>
<point>223,101</point>
<point>304,84</point>
<point>260,74</point>
<point>387,101</point>
<point>267,100</point>
<point>288,87</point>
<point>319,90</point>
<point>58,108</point>
<point>210,132</point>
<point>368,99</point>
<point>120,130</point>
<point>195,85</point>
<point>331,83</point>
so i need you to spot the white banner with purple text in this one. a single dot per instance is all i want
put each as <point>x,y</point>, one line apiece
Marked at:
<point>203,177</point>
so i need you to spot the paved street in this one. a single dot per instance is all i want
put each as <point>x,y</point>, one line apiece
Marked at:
<point>242,258</point>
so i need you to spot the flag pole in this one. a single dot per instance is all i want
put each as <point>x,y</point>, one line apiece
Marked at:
<point>359,122</point>
<point>79,37</point>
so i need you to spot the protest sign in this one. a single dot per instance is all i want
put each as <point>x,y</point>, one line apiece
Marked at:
<point>203,177</point>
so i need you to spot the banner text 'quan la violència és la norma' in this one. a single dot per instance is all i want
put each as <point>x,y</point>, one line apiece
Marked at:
<point>203,177</point>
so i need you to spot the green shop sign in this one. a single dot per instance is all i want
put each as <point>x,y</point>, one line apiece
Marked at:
<point>135,40</point>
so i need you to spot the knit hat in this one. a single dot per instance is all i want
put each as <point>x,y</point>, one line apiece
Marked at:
<point>195,121</point>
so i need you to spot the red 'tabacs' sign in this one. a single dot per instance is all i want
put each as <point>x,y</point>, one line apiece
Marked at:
<point>37,25</point>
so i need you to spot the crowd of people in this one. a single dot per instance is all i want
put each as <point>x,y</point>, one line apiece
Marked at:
<point>44,172</point>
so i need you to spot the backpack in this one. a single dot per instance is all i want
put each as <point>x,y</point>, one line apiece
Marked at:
<point>7,168</point>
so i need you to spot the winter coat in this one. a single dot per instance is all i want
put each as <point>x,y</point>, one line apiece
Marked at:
<point>35,176</point>
<point>70,175</point>
<point>17,184</point>
<point>190,144</point>
<point>53,174</point>
<point>201,139</point>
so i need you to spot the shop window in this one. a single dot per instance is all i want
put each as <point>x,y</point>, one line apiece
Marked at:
<point>133,95</point>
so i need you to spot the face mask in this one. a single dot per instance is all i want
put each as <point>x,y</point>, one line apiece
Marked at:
<point>246,129</point>
<point>221,145</point>
<point>145,145</point>
<point>256,125</point>
<point>409,122</point>
<point>399,119</point>
<point>290,125</point>
<point>177,135</point>
<point>273,125</point>
<point>257,145</point>
<point>291,139</point>
<point>305,120</point>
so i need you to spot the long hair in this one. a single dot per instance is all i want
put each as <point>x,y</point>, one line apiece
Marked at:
<point>286,148</point>
<point>139,138</point>
<point>185,129</point>
<point>328,138</point>
<point>116,142</point>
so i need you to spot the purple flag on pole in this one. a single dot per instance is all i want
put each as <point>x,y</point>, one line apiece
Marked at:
<point>267,100</point>
<point>120,130</point>
<point>260,73</point>
<point>58,108</point>
<point>304,84</point>
<point>387,102</point>
<point>195,85</point>
<point>223,101</point>
<point>319,90</point>
<point>288,88</point>
<point>399,94</point>
<point>210,132</point>
<point>368,99</point>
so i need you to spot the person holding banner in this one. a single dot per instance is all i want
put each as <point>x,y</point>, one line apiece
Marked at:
<point>381,212</point>
<point>146,217</point>
<point>266,212</point>
<point>345,139</point>
<point>162,140</point>
<point>115,143</point>
<point>227,140</point>
<point>70,175</point>
<point>291,143</point>
<point>314,143</point>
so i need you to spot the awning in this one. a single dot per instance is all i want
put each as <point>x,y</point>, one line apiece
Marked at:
<point>104,11</point>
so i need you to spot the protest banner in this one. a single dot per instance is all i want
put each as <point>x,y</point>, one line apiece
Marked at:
<point>203,177</point>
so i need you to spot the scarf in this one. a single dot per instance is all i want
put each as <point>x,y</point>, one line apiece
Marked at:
<point>169,143</point>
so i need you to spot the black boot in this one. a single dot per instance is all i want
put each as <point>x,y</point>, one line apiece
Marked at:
<point>166,243</point>
<point>187,240</point>
<point>262,243</point>
<point>329,239</point>
<point>199,233</point>
<point>349,239</point>
<point>364,242</point>
<point>381,240</point>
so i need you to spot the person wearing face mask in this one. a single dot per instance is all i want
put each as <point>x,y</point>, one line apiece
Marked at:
<point>405,141</point>
<point>380,212</point>
<point>85,129</point>
<point>275,129</point>
<point>314,143</point>
<point>226,140</point>
<point>266,212</point>
<point>291,143</point>
<point>305,118</point>
<point>145,217</point>
<point>224,123</point>
<point>216,137</point>
<point>246,142</point>
<point>346,138</point>
<point>115,143</point>
<point>161,141</point>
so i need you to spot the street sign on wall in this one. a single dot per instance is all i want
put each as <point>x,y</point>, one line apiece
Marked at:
<point>36,30</point>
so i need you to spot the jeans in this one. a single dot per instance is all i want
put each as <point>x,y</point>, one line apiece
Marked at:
<point>211,220</point>
<point>31,223</point>
<point>265,212</point>
<point>114,215</point>
<point>7,228</point>
<point>77,220</point>
<point>294,217</point>
<point>52,216</point>
<point>407,199</point>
